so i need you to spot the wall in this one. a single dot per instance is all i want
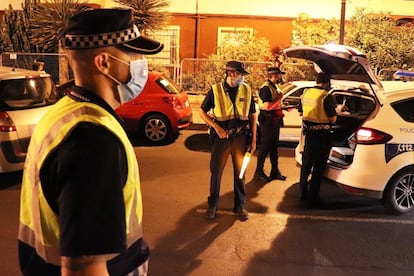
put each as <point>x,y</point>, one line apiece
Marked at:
<point>276,30</point>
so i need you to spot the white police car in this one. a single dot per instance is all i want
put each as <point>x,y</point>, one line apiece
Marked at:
<point>373,146</point>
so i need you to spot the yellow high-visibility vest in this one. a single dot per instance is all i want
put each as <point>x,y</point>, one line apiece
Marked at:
<point>39,225</point>
<point>224,108</point>
<point>312,105</point>
<point>275,94</point>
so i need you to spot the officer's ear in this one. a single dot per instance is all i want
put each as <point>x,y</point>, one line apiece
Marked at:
<point>102,62</point>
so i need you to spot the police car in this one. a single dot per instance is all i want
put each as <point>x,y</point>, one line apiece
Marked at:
<point>373,145</point>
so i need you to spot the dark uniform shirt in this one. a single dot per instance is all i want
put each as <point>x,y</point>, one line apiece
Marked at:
<point>265,94</point>
<point>83,180</point>
<point>209,103</point>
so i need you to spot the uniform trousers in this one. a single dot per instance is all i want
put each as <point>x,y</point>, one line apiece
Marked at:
<point>314,158</point>
<point>270,130</point>
<point>220,151</point>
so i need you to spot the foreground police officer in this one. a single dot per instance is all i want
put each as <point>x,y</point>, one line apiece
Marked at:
<point>318,114</point>
<point>232,131</point>
<point>270,119</point>
<point>81,207</point>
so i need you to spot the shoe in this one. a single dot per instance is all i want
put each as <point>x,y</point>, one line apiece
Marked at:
<point>211,212</point>
<point>278,177</point>
<point>242,213</point>
<point>261,176</point>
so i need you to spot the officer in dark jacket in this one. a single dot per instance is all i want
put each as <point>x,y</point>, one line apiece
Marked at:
<point>232,132</point>
<point>270,119</point>
<point>318,114</point>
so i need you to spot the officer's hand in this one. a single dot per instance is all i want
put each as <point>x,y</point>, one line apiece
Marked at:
<point>222,134</point>
<point>253,145</point>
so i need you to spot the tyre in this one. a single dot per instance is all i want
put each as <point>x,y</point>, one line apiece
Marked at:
<point>399,194</point>
<point>156,128</point>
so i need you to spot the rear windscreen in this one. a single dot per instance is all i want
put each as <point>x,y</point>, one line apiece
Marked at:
<point>169,85</point>
<point>27,93</point>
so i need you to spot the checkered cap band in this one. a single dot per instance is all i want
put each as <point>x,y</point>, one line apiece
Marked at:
<point>73,41</point>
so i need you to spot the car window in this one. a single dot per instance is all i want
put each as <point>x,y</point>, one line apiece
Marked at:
<point>405,109</point>
<point>169,85</point>
<point>27,93</point>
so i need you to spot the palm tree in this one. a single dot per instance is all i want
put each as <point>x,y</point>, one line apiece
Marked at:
<point>47,24</point>
<point>149,15</point>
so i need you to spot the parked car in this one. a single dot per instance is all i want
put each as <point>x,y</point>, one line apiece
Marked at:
<point>159,112</point>
<point>25,95</point>
<point>373,147</point>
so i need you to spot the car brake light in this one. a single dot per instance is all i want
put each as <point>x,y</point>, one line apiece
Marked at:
<point>174,102</point>
<point>369,136</point>
<point>6,123</point>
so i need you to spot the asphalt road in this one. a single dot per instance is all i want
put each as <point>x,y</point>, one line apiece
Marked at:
<point>351,236</point>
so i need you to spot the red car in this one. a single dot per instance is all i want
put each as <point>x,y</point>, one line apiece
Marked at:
<point>159,112</point>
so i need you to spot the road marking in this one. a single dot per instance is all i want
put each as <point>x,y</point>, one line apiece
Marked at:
<point>318,217</point>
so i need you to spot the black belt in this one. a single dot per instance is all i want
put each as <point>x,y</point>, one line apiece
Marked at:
<point>319,127</point>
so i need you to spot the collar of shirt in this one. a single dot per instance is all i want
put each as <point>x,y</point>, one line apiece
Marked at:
<point>81,94</point>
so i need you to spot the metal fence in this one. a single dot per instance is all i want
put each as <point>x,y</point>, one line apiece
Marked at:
<point>197,75</point>
<point>54,64</point>
<point>194,75</point>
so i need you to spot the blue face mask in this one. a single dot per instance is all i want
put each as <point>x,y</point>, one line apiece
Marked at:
<point>239,80</point>
<point>139,75</point>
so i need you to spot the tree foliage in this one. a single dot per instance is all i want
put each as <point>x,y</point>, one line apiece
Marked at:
<point>149,15</point>
<point>48,20</point>
<point>16,30</point>
<point>385,44</point>
<point>308,31</point>
<point>376,35</point>
<point>253,51</point>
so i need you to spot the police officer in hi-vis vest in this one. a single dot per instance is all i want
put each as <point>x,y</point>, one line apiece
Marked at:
<point>318,114</point>
<point>81,207</point>
<point>232,132</point>
<point>270,121</point>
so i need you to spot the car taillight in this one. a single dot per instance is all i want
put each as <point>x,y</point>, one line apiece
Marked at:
<point>369,136</point>
<point>6,123</point>
<point>173,101</point>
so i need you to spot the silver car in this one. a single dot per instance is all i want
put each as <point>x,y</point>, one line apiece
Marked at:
<point>25,95</point>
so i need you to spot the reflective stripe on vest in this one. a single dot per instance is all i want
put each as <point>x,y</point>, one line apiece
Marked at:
<point>39,225</point>
<point>223,106</point>
<point>312,105</point>
<point>274,93</point>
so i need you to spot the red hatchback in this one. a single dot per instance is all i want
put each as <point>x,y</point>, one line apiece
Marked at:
<point>159,112</point>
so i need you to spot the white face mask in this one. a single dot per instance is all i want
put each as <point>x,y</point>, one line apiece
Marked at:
<point>139,75</point>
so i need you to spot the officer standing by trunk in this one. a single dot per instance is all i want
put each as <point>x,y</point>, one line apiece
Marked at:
<point>270,119</point>
<point>232,132</point>
<point>318,114</point>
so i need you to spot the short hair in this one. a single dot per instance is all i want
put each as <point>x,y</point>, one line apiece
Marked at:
<point>323,78</point>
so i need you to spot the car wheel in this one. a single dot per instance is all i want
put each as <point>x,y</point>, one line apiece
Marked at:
<point>156,128</point>
<point>399,194</point>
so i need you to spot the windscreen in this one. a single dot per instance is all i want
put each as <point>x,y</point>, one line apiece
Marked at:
<point>26,93</point>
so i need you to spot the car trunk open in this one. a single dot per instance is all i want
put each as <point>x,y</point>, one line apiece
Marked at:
<point>353,109</point>
<point>357,100</point>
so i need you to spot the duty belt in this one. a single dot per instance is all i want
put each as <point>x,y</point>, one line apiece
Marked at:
<point>234,131</point>
<point>319,127</point>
